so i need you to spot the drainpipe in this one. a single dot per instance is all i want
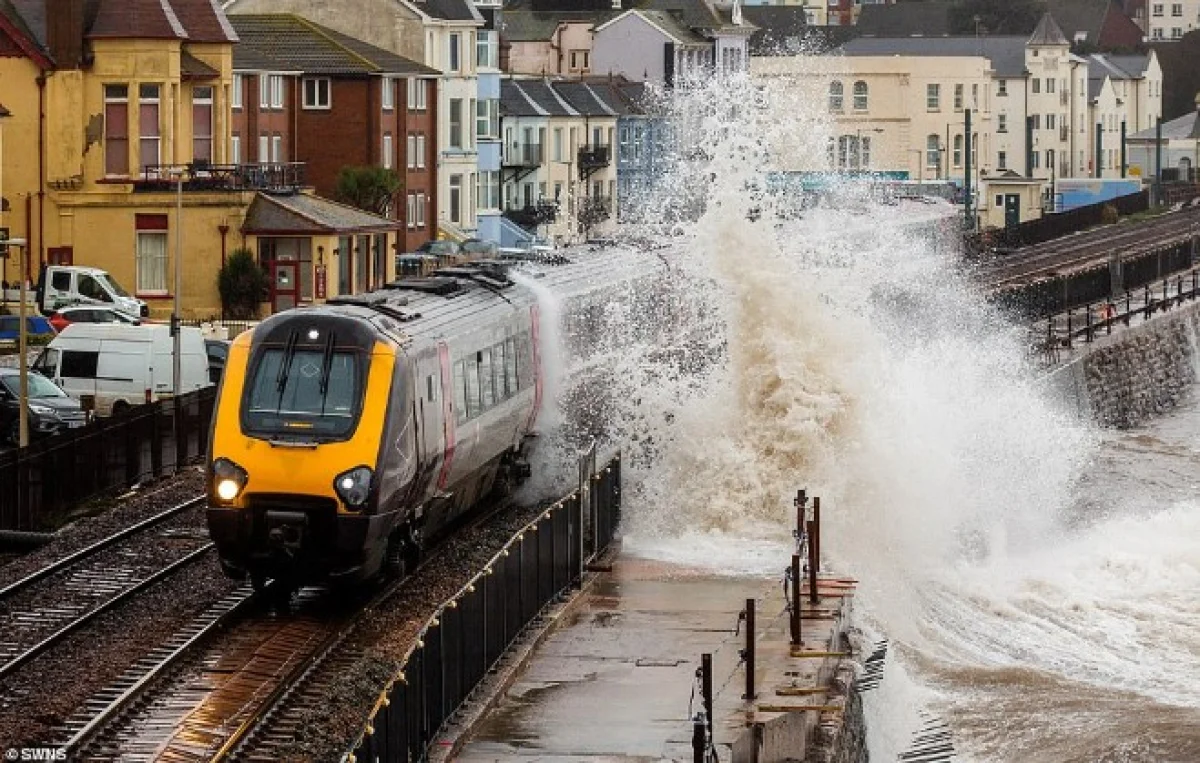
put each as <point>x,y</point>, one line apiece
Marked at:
<point>41,85</point>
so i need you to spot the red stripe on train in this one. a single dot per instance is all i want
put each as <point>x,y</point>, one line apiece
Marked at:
<point>447,415</point>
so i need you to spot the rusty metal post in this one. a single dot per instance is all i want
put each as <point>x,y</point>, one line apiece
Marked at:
<point>812,567</point>
<point>1088,330</point>
<point>748,654</point>
<point>706,676</point>
<point>797,639</point>
<point>1128,307</point>
<point>800,503</point>
<point>815,540</point>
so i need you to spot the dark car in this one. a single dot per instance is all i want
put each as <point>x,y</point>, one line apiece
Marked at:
<point>50,409</point>
<point>90,314</point>
<point>218,353</point>
<point>448,252</point>
<point>36,328</point>
<point>478,249</point>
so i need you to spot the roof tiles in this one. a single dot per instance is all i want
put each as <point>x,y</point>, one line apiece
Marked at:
<point>300,44</point>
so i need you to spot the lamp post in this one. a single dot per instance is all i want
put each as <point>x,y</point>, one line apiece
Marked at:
<point>175,315</point>
<point>22,349</point>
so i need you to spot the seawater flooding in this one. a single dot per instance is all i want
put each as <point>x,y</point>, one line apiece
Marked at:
<point>1037,578</point>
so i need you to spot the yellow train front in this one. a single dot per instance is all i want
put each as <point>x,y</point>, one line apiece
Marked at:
<point>299,486</point>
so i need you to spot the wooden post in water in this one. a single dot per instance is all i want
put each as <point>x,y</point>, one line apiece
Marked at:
<point>796,635</point>
<point>748,655</point>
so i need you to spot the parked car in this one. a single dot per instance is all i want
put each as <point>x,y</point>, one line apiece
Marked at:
<point>88,314</point>
<point>38,330</point>
<point>123,366</point>
<point>218,353</point>
<point>448,252</point>
<point>62,285</point>
<point>477,249</point>
<point>51,410</point>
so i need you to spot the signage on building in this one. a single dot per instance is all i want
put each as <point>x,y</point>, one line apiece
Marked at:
<point>320,285</point>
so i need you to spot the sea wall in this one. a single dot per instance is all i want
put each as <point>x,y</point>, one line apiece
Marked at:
<point>1137,373</point>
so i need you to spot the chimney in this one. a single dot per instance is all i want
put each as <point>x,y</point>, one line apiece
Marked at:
<point>64,32</point>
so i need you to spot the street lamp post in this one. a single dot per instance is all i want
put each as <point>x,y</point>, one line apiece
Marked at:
<point>176,325</point>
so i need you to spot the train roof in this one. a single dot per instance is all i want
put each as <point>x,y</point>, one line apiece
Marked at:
<point>456,299</point>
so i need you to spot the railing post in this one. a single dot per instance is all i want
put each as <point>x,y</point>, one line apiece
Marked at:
<point>1088,330</point>
<point>797,638</point>
<point>1128,306</point>
<point>816,532</point>
<point>748,653</point>
<point>812,565</point>
<point>1147,315</point>
<point>1070,328</point>
<point>706,687</point>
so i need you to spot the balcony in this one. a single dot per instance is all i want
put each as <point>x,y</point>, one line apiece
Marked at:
<point>271,177</point>
<point>593,157</point>
<point>531,216</point>
<point>528,155</point>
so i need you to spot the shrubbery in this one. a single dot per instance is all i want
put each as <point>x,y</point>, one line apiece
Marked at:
<point>243,285</point>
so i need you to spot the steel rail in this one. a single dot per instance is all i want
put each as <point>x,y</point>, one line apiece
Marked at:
<point>96,547</point>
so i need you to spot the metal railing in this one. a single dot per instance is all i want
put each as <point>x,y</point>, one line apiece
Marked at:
<point>203,176</point>
<point>594,156</point>
<point>468,635</point>
<point>523,155</point>
<point>42,482</point>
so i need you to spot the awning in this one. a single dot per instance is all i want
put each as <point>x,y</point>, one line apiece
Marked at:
<point>305,214</point>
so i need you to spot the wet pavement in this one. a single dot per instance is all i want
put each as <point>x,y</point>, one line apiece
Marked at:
<point>616,679</point>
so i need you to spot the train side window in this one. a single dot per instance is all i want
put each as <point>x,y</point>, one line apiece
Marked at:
<point>472,369</point>
<point>498,372</point>
<point>510,365</point>
<point>485,379</point>
<point>460,393</point>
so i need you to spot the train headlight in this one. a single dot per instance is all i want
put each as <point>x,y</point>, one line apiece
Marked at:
<point>228,479</point>
<point>354,486</point>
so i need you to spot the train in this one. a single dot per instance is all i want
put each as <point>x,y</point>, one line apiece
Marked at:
<point>348,435</point>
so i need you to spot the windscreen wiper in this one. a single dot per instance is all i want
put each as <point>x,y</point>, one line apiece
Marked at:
<point>289,351</point>
<point>327,367</point>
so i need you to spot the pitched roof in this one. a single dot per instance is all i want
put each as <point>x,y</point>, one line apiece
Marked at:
<point>308,213</point>
<point>193,68</point>
<point>928,19</point>
<point>540,92</point>
<point>450,10</point>
<point>1006,54</point>
<point>23,35</point>
<point>203,20</point>
<point>664,22</point>
<point>583,99</point>
<point>1185,127</point>
<point>521,25</point>
<point>140,19</point>
<point>781,28</point>
<point>515,102</point>
<point>191,20</point>
<point>618,95</point>
<point>691,14</point>
<point>298,43</point>
<point>1047,32</point>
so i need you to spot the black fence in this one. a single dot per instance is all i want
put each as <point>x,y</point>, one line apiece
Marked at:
<point>466,637</point>
<point>1060,293</point>
<point>1060,224</point>
<point>43,482</point>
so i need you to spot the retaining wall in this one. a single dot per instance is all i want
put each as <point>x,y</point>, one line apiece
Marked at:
<point>1141,372</point>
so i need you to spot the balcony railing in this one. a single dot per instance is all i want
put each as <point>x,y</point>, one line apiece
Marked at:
<point>531,216</point>
<point>201,176</point>
<point>524,155</point>
<point>593,156</point>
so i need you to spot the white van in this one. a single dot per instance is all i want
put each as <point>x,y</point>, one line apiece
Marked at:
<point>64,285</point>
<point>122,365</point>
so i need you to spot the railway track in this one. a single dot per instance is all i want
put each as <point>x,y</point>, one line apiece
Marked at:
<point>237,699</point>
<point>44,608</point>
<point>1089,247</point>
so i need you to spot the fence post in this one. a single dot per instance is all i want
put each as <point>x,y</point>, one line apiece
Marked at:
<point>1070,328</point>
<point>1088,330</point>
<point>748,653</point>
<point>1147,315</point>
<point>797,638</point>
<point>812,565</point>
<point>816,532</point>
<point>706,681</point>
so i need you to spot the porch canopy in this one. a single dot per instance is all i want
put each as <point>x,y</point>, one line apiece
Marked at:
<point>305,214</point>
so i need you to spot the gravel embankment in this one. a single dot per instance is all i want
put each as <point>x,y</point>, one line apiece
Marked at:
<point>329,727</point>
<point>149,499</point>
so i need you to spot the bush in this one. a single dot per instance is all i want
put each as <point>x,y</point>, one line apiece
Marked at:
<point>1109,214</point>
<point>243,285</point>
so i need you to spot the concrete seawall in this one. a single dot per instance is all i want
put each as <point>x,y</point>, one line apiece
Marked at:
<point>1136,373</point>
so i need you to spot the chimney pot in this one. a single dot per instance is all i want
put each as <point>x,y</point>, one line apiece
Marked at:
<point>64,32</point>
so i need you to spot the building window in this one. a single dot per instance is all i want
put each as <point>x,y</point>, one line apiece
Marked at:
<point>264,149</point>
<point>421,210</point>
<point>277,148</point>
<point>975,150</point>
<point>579,61</point>
<point>1050,120</point>
<point>1176,9</point>
<point>412,151</point>
<point>235,149</point>
<point>149,137</point>
<point>932,151</point>
<point>116,129</point>
<point>416,94</point>
<point>860,96</point>
<point>487,51</point>
<point>1002,87</point>
<point>420,151</point>
<point>1049,158</point>
<point>236,96</point>
<point>454,52</point>
<point>1176,33</point>
<point>151,253</point>
<point>958,97</point>
<point>411,209</point>
<point>864,153</point>
<point>202,123</point>
<point>264,91</point>
<point>1034,160</point>
<point>456,133</point>
<point>835,96</point>
<point>1035,85</point>
<point>388,87</point>
<point>487,119</point>
<point>387,150</point>
<point>1002,160</point>
<point>1050,84</point>
<point>277,91</point>
<point>411,92</point>
<point>558,144</point>
<point>933,97</point>
<point>455,198</point>
<point>1158,9</point>
<point>958,150</point>
<point>316,93</point>
<point>1002,123</point>
<point>1037,121</point>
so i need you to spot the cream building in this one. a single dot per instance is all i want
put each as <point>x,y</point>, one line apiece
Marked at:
<point>899,106</point>
<point>1172,19</point>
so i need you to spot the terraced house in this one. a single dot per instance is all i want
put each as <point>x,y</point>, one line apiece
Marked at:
<point>109,99</point>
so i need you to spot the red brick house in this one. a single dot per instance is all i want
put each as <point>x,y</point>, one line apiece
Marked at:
<point>305,93</point>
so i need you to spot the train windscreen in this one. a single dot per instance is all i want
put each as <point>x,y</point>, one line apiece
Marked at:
<point>305,393</point>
